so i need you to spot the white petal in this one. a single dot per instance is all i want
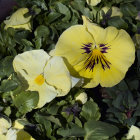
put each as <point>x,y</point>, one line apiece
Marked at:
<point>76,81</point>
<point>11,134</point>
<point>134,131</point>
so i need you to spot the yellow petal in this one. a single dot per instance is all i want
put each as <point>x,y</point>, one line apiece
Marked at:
<point>4,125</point>
<point>2,137</point>
<point>93,2</point>
<point>30,64</point>
<point>121,48</point>
<point>26,26</point>
<point>18,18</point>
<point>46,93</point>
<point>57,75</point>
<point>18,125</point>
<point>70,44</point>
<point>23,135</point>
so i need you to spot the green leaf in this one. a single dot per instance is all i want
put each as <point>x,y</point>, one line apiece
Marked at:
<point>63,10</point>
<point>6,67</point>
<point>117,22</point>
<point>128,10</point>
<point>96,130</point>
<point>39,3</point>
<point>73,131</point>
<point>90,110</point>
<point>26,101</point>
<point>53,16</point>
<point>8,85</point>
<point>41,119</point>
<point>42,31</point>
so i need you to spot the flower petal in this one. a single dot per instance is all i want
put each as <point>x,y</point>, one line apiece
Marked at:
<point>57,75</point>
<point>26,26</point>
<point>70,43</point>
<point>46,93</point>
<point>18,18</point>
<point>30,63</point>
<point>23,135</point>
<point>93,2</point>
<point>2,137</point>
<point>11,134</point>
<point>121,48</point>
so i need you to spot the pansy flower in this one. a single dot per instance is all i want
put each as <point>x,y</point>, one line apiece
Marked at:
<point>18,20</point>
<point>47,75</point>
<point>7,132</point>
<point>101,56</point>
<point>115,11</point>
<point>134,132</point>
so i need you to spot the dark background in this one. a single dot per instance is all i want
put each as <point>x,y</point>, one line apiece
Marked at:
<point>5,8</point>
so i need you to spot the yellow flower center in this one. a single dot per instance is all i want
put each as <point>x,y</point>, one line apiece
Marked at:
<point>39,80</point>
<point>96,56</point>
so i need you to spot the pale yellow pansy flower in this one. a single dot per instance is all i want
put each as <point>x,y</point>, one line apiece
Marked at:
<point>11,133</point>
<point>17,20</point>
<point>93,2</point>
<point>82,97</point>
<point>101,56</point>
<point>134,132</point>
<point>47,75</point>
<point>115,11</point>
<point>5,124</point>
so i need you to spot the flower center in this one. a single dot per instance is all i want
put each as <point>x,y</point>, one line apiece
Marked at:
<point>96,56</point>
<point>39,80</point>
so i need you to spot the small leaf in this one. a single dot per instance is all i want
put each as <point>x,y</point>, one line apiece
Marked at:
<point>90,110</point>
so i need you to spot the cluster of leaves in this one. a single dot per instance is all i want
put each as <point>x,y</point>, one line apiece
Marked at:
<point>64,118</point>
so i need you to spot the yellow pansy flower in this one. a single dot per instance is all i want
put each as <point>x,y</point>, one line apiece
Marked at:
<point>17,20</point>
<point>134,132</point>
<point>115,11</point>
<point>93,2</point>
<point>101,56</point>
<point>47,75</point>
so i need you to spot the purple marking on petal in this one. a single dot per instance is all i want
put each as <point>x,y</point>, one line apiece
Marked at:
<point>104,48</point>
<point>87,48</point>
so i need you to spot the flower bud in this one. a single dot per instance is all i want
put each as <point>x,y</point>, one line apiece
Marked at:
<point>82,97</point>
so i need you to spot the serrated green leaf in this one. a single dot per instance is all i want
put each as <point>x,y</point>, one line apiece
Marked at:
<point>42,31</point>
<point>26,101</point>
<point>117,22</point>
<point>90,110</point>
<point>96,130</point>
<point>63,9</point>
<point>6,67</point>
<point>128,10</point>
<point>8,85</point>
